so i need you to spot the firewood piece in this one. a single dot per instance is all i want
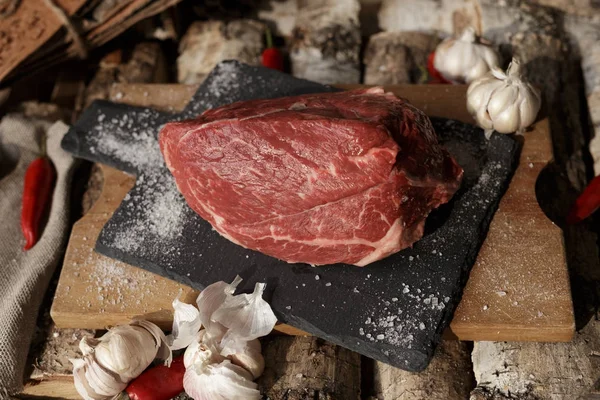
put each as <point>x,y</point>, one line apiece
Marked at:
<point>326,41</point>
<point>541,371</point>
<point>586,35</point>
<point>147,64</point>
<point>397,57</point>
<point>449,376</point>
<point>207,43</point>
<point>280,14</point>
<point>303,368</point>
<point>446,16</point>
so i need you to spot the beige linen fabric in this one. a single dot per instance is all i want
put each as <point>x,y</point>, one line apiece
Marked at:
<point>24,276</point>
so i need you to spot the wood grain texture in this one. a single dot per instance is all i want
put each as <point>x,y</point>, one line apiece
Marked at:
<point>518,289</point>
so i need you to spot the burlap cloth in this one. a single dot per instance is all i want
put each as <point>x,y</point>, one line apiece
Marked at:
<point>24,276</point>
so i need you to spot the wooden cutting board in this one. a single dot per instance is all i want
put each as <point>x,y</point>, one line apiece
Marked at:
<point>518,289</point>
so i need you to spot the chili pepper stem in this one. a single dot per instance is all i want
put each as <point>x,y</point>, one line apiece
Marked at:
<point>269,38</point>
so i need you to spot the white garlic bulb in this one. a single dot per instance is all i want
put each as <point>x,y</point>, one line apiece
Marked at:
<point>223,381</point>
<point>503,102</point>
<point>464,59</point>
<point>117,357</point>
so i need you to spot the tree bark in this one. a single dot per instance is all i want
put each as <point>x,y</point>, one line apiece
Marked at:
<point>397,57</point>
<point>308,368</point>
<point>326,41</point>
<point>448,377</point>
<point>207,43</point>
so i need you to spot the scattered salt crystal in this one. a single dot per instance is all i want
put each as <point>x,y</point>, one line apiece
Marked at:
<point>405,290</point>
<point>317,277</point>
<point>355,290</point>
<point>369,335</point>
<point>119,96</point>
<point>446,299</point>
<point>288,307</point>
<point>485,307</point>
<point>501,293</point>
<point>361,331</point>
<point>410,258</point>
<point>328,284</point>
<point>394,299</point>
<point>530,165</point>
<point>434,301</point>
<point>299,376</point>
<point>304,284</point>
<point>380,337</point>
<point>427,301</point>
<point>368,275</point>
<point>368,321</point>
<point>515,303</point>
<point>421,326</point>
<point>540,314</point>
<point>55,334</point>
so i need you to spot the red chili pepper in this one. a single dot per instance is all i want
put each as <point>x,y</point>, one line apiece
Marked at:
<point>586,203</point>
<point>37,191</point>
<point>436,77</point>
<point>271,57</point>
<point>158,383</point>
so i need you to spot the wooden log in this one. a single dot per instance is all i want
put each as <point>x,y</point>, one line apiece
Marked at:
<point>444,16</point>
<point>449,376</point>
<point>308,368</point>
<point>586,36</point>
<point>397,57</point>
<point>584,8</point>
<point>541,371</point>
<point>326,41</point>
<point>280,15</point>
<point>147,64</point>
<point>209,42</point>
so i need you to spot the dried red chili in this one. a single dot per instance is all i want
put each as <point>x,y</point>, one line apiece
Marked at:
<point>158,383</point>
<point>587,202</point>
<point>271,57</point>
<point>435,75</point>
<point>37,192</point>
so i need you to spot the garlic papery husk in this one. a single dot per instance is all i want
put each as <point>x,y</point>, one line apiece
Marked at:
<point>503,102</point>
<point>117,357</point>
<point>464,59</point>
<point>213,297</point>
<point>247,316</point>
<point>203,350</point>
<point>246,354</point>
<point>186,324</point>
<point>223,381</point>
<point>93,382</point>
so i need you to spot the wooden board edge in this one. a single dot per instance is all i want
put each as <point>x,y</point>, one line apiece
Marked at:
<point>59,387</point>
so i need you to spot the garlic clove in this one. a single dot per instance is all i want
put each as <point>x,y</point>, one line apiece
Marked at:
<point>503,110</point>
<point>163,352</point>
<point>94,382</point>
<point>247,316</point>
<point>186,324</point>
<point>202,351</point>
<point>126,350</point>
<point>213,297</point>
<point>251,362</point>
<point>223,381</point>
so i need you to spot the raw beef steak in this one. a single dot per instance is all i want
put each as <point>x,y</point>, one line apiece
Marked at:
<point>345,177</point>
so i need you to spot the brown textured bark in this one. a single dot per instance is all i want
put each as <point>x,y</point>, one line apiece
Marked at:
<point>448,377</point>
<point>326,41</point>
<point>397,57</point>
<point>308,368</point>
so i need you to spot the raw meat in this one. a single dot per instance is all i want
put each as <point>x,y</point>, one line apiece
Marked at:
<point>345,177</point>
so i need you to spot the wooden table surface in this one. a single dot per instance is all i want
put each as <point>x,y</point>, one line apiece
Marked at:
<point>518,289</point>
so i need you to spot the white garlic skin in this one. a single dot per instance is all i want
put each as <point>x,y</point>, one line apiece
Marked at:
<point>503,101</point>
<point>463,59</point>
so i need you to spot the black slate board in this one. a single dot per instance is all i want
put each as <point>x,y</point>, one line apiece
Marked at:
<point>394,310</point>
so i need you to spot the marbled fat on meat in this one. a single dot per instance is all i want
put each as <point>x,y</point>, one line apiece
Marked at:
<point>345,177</point>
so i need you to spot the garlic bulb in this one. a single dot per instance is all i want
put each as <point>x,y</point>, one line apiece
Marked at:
<point>186,324</point>
<point>213,297</point>
<point>464,59</point>
<point>117,357</point>
<point>503,101</point>
<point>246,354</point>
<point>223,381</point>
<point>247,316</point>
<point>203,350</point>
